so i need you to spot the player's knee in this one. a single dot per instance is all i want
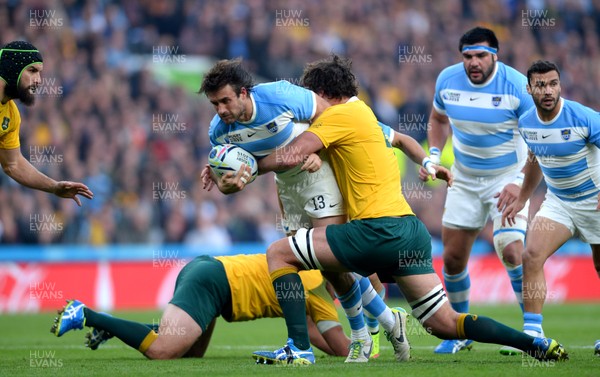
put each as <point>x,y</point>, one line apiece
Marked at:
<point>508,242</point>
<point>162,353</point>
<point>533,259</point>
<point>275,252</point>
<point>512,254</point>
<point>455,261</point>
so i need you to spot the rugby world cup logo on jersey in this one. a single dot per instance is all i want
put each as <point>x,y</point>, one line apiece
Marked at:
<point>496,100</point>
<point>566,134</point>
<point>529,135</point>
<point>451,96</point>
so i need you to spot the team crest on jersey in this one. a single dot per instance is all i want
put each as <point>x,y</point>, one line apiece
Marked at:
<point>272,127</point>
<point>566,134</point>
<point>496,100</point>
<point>5,123</point>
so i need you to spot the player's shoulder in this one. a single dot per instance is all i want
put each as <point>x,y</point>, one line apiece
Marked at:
<point>579,111</point>
<point>280,87</point>
<point>350,108</point>
<point>452,73</point>
<point>509,72</point>
<point>527,116</point>
<point>511,75</point>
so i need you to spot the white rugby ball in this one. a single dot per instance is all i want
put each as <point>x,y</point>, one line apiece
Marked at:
<point>225,158</point>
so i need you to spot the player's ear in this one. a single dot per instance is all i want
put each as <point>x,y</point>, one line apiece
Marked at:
<point>528,89</point>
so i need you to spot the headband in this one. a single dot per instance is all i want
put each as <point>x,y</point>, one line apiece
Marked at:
<point>480,47</point>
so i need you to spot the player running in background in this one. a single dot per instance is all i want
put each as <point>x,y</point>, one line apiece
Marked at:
<point>564,140</point>
<point>261,118</point>
<point>238,288</point>
<point>383,234</point>
<point>21,65</point>
<point>481,100</point>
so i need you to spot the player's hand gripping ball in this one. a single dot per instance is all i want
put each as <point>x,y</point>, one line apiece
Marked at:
<point>227,158</point>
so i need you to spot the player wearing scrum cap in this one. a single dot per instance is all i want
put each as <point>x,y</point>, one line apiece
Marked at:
<point>21,65</point>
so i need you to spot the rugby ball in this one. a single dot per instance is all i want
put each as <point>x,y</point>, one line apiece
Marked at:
<point>225,158</point>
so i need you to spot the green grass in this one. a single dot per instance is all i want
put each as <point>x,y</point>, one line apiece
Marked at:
<point>28,349</point>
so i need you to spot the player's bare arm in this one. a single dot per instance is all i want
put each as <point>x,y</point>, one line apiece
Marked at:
<point>292,154</point>
<point>18,168</point>
<point>533,177</point>
<point>439,130</point>
<point>417,154</point>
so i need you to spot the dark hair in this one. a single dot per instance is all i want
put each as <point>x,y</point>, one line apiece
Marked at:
<point>541,66</point>
<point>333,77</point>
<point>477,35</point>
<point>227,72</point>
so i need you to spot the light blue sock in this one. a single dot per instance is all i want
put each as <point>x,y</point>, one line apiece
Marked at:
<point>533,322</point>
<point>374,305</point>
<point>352,304</point>
<point>516,280</point>
<point>458,288</point>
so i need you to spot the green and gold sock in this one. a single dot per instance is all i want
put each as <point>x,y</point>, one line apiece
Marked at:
<point>486,330</point>
<point>289,291</point>
<point>134,334</point>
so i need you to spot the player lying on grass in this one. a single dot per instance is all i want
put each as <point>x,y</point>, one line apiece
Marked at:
<point>238,288</point>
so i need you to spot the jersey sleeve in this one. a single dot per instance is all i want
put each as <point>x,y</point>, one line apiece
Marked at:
<point>213,131</point>
<point>525,100</point>
<point>594,129</point>
<point>387,131</point>
<point>438,102</point>
<point>301,102</point>
<point>9,135</point>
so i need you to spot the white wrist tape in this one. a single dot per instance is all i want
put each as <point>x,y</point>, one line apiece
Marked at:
<point>428,165</point>
<point>434,155</point>
<point>519,180</point>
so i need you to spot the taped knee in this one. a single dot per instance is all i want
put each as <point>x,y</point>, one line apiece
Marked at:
<point>302,246</point>
<point>503,236</point>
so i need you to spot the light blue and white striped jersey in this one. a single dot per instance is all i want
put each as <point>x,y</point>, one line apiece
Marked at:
<point>567,149</point>
<point>277,108</point>
<point>484,118</point>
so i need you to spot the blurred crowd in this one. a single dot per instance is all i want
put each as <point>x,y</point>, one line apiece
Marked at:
<point>96,113</point>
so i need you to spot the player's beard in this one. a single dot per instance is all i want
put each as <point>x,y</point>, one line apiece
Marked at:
<point>545,109</point>
<point>485,75</point>
<point>21,93</point>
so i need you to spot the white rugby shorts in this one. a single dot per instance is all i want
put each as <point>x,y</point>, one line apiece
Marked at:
<point>470,201</point>
<point>305,196</point>
<point>580,217</point>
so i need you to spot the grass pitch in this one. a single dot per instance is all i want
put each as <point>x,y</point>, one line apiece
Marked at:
<point>27,348</point>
